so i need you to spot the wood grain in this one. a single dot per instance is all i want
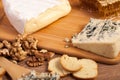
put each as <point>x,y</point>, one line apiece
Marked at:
<point>105,72</point>
<point>11,70</point>
<point>1,10</point>
<point>52,36</point>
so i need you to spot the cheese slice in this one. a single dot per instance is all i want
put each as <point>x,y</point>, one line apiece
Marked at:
<point>101,37</point>
<point>28,16</point>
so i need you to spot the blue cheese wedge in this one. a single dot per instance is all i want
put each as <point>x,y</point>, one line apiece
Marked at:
<point>101,37</point>
<point>28,16</point>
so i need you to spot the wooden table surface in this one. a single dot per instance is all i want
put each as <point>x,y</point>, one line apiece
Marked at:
<point>109,72</point>
<point>105,72</point>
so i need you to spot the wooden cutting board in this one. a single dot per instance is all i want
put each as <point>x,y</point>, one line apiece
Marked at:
<point>52,37</point>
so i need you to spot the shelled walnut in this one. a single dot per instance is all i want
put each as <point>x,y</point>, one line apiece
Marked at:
<point>13,49</point>
<point>34,62</point>
<point>17,54</point>
<point>4,52</point>
<point>1,45</point>
<point>22,47</point>
<point>29,43</point>
<point>46,56</point>
<point>39,58</point>
<point>7,44</point>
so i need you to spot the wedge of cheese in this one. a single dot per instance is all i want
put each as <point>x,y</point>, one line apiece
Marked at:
<point>101,37</point>
<point>28,16</point>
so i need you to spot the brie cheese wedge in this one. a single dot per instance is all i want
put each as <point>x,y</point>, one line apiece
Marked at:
<point>28,16</point>
<point>101,37</point>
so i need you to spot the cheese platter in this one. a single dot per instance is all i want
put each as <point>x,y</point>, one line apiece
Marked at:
<point>52,37</point>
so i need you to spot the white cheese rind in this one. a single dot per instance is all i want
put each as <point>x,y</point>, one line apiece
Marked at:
<point>28,16</point>
<point>101,37</point>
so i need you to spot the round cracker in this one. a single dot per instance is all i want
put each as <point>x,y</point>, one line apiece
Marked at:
<point>70,63</point>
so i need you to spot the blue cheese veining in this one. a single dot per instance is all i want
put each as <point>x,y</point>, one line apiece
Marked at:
<point>101,37</point>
